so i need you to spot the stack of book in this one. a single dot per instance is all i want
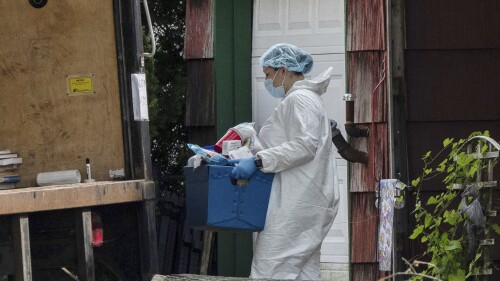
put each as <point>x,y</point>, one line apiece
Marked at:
<point>8,169</point>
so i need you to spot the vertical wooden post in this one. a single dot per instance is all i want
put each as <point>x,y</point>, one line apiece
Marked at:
<point>22,252</point>
<point>205,254</point>
<point>396,42</point>
<point>85,253</point>
<point>489,203</point>
<point>147,239</point>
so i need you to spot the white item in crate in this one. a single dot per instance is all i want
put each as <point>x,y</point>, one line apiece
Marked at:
<point>230,145</point>
<point>242,152</point>
<point>58,177</point>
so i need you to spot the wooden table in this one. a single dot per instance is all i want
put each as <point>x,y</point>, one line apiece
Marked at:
<point>20,202</point>
<point>193,277</point>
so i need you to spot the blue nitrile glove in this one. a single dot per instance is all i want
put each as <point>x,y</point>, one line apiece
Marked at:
<point>218,160</point>
<point>244,169</point>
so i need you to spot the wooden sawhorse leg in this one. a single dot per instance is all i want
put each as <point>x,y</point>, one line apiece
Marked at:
<point>22,252</point>
<point>85,252</point>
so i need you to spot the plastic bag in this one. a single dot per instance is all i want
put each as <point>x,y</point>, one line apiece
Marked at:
<point>245,130</point>
<point>211,157</point>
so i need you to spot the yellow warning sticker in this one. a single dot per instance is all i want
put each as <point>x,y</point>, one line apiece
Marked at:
<point>80,84</point>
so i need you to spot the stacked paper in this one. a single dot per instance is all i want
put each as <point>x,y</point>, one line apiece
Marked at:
<point>9,162</point>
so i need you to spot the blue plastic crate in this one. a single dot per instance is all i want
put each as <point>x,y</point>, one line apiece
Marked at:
<point>214,201</point>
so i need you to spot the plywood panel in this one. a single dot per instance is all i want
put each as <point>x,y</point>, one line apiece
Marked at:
<point>364,225</point>
<point>365,25</point>
<point>365,72</point>
<point>199,29</point>
<point>452,24</point>
<point>453,85</point>
<point>48,128</point>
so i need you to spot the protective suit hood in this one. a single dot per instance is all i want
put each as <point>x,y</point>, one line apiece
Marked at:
<point>318,84</point>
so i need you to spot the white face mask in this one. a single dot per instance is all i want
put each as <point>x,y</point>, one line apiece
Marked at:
<point>276,92</point>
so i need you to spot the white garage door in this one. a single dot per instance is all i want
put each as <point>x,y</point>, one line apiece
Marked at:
<point>318,27</point>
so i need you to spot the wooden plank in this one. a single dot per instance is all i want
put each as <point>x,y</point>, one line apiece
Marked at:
<point>173,237</point>
<point>162,241</point>
<point>364,226</point>
<point>365,72</point>
<point>397,124</point>
<point>85,253</point>
<point>205,254</point>
<point>22,252</point>
<point>193,277</point>
<point>452,24</point>
<point>198,43</point>
<point>361,175</point>
<point>41,47</point>
<point>200,99</point>
<point>364,272</point>
<point>460,85</point>
<point>47,198</point>
<point>365,25</point>
<point>147,239</point>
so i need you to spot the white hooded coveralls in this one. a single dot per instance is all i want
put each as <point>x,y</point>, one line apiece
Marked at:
<point>305,194</point>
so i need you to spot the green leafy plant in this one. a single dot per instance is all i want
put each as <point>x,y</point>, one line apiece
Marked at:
<point>453,253</point>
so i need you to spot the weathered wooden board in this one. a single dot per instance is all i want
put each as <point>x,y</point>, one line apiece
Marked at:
<point>365,25</point>
<point>365,72</point>
<point>200,99</point>
<point>364,228</point>
<point>361,175</point>
<point>22,249</point>
<point>34,199</point>
<point>48,128</point>
<point>364,271</point>
<point>198,43</point>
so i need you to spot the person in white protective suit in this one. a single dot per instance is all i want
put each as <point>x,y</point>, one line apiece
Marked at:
<point>298,148</point>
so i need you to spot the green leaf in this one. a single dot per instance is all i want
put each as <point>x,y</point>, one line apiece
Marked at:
<point>432,201</point>
<point>452,245</point>
<point>447,141</point>
<point>442,166</point>
<point>451,217</point>
<point>450,169</point>
<point>426,155</point>
<point>457,276</point>
<point>417,231</point>
<point>444,238</point>
<point>427,220</point>
<point>415,182</point>
<point>473,169</point>
<point>496,227</point>
<point>484,148</point>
